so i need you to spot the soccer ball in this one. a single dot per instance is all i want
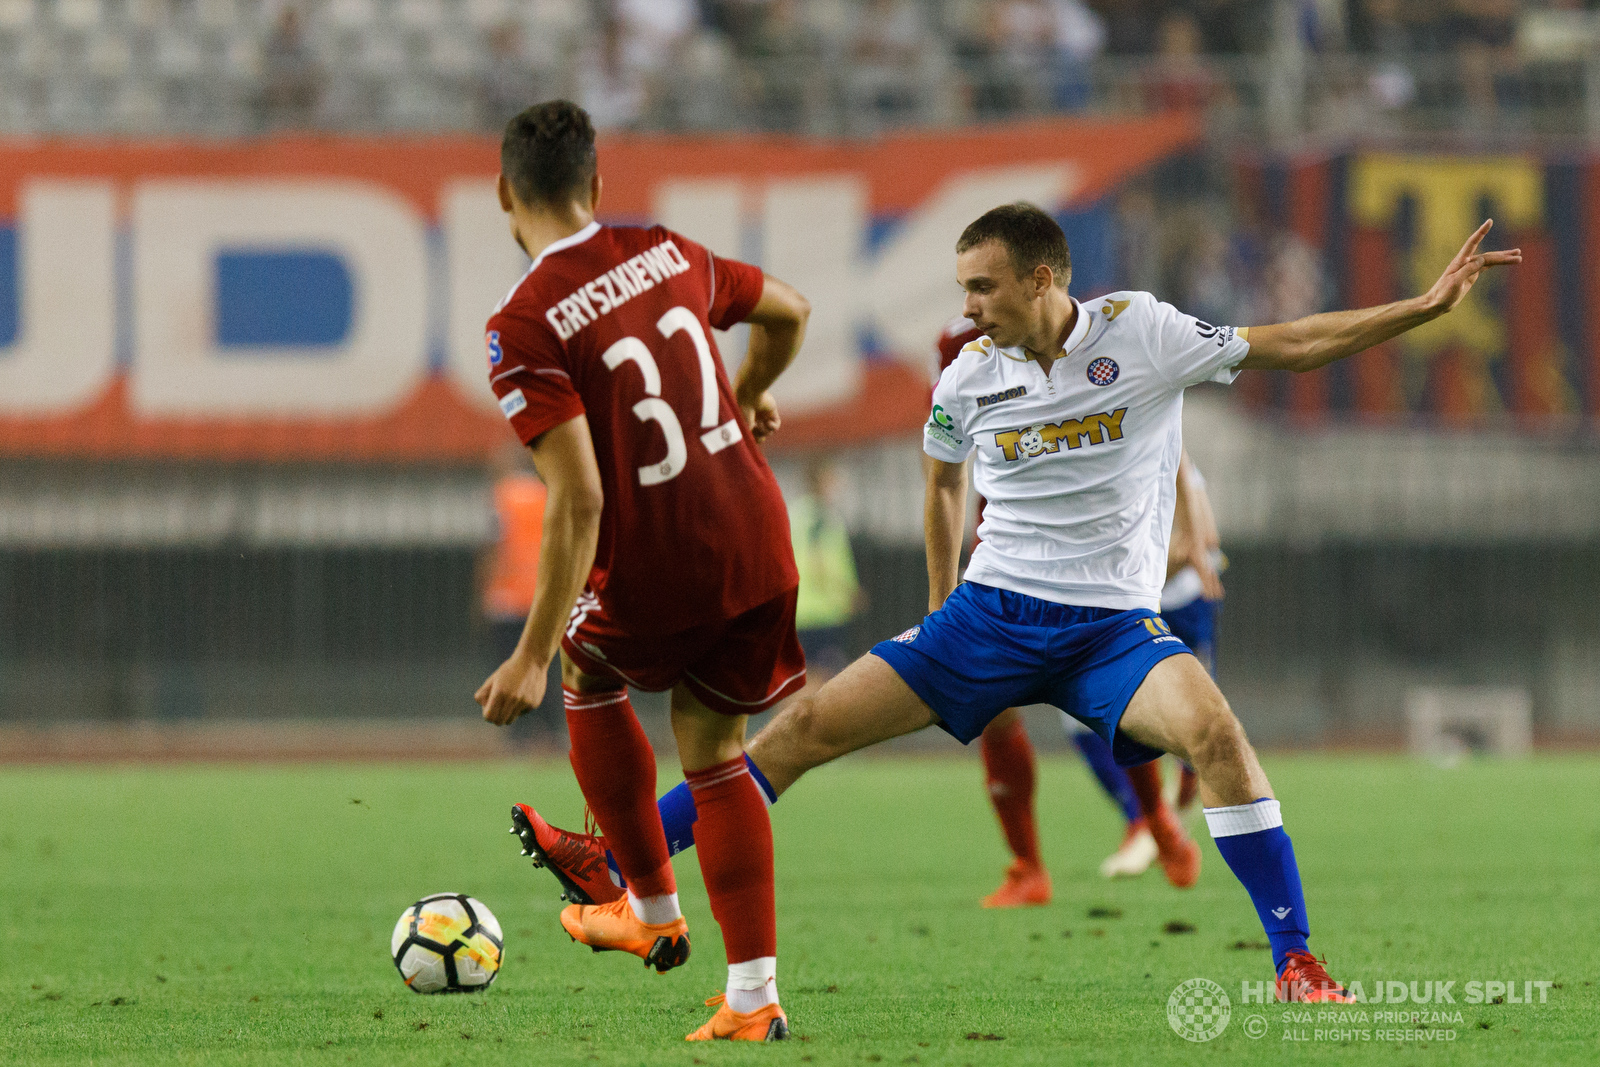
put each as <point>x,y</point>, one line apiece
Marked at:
<point>447,943</point>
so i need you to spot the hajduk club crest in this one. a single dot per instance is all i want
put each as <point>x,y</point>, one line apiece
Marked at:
<point>1103,371</point>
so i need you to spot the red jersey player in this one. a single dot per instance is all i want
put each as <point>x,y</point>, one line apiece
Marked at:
<point>666,561</point>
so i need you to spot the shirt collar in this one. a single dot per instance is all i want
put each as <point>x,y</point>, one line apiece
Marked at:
<point>565,242</point>
<point>1079,330</point>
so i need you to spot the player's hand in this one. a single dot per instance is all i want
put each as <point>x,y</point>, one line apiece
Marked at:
<point>1210,578</point>
<point>762,415</point>
<point>1456,281</point>
<point>511,690</point>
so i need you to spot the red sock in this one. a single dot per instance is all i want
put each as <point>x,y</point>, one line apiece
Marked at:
<point>1146,782</point>
<point>1188,786</point>
<point>734,836</point>
<point>616,769</point>
<point>1008,772</point>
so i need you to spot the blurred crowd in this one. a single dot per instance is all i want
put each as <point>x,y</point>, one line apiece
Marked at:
<point>821,66</point>
<point>1207,248</point>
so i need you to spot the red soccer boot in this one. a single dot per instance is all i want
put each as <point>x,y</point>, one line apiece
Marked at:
<point>577,860</point>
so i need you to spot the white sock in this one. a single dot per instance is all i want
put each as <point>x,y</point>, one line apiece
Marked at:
<point>1238,819</point>
<point>752,985</point>
<point>655,910</point>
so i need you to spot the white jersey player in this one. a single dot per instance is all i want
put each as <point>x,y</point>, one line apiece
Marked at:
<point>1073,412</point>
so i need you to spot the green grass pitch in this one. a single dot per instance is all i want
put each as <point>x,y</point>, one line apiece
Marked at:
<point>241,915</point>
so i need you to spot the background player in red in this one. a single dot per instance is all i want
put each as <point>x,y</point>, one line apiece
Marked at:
<point>666,562</point>
<point>1010,770</point>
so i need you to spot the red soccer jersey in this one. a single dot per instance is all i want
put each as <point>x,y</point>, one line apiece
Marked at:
<point>956,335</point>
<point>615,323</point>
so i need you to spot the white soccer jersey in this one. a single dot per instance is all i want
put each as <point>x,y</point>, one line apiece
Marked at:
<point>1080,468</point>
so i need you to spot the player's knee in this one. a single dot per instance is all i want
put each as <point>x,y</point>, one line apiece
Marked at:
<point>574,678</point>
<point>808,733</point>
<point>803,724</point>
<point>1216,739</point>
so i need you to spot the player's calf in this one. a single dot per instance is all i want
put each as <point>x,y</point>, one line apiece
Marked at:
<point>1222,756</point>
<point>1179,708</point>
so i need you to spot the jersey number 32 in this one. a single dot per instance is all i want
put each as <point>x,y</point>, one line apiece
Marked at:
<point>654,409</point>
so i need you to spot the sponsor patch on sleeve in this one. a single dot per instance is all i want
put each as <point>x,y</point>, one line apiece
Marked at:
<point>942,428</point>
<point>513,402</point>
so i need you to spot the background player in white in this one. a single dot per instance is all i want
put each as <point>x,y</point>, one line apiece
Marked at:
<point>1058,603</point>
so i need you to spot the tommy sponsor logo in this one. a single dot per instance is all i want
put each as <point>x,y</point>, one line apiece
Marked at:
<point>1223,334</point>
<point>615,287</point>
<point>513,402</point>
<point>1034,441</point>
<point>1008,394</point>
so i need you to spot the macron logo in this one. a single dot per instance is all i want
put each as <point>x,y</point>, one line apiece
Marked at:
<point>513,402</point>
<point>1281,912</point>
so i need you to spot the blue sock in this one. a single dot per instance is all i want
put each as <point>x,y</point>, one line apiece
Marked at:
<point>678,815</point>
<point>1113,779</point>
<point>1251,840</point>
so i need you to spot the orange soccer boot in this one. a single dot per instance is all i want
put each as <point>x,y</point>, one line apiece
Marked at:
<point>1027,884</point>
<point>1305,980</point>
<point>577,860</point>
<point>763,1024</point>
<point>614,927</point>
<point>1179,855</point>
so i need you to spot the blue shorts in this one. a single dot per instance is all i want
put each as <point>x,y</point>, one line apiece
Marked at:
<point>1196,625</point>
<point>991,649</point>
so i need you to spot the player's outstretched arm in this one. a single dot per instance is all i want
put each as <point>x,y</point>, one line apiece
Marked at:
<point>777,326</point>
<point>1317,340</point>
<point>564,457</point>
<point>944,521</point>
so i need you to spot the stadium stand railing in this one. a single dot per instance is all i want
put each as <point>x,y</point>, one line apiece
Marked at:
<point>235,67</point>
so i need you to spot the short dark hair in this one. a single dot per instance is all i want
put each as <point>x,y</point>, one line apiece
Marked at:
<point>1029,235</point>
<point>547,153</point>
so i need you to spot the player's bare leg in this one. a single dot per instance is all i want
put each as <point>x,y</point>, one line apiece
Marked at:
<point>616,770</point>
<point>734,838</point>
<point>862,705</point>
<point>1179,709</point>
<point>1009,775</point>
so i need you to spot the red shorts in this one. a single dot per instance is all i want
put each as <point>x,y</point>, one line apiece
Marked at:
<point>738,666</point>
